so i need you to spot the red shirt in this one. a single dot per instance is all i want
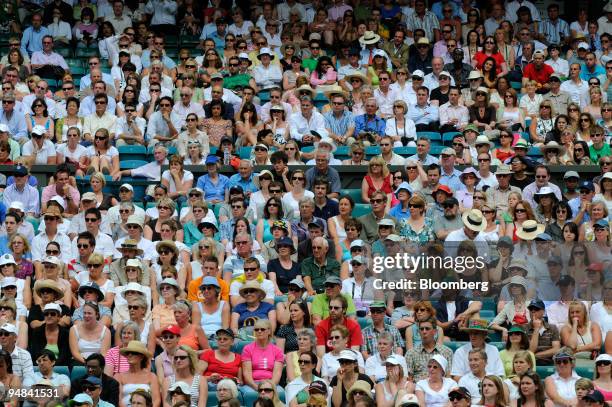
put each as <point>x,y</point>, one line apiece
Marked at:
<point>323,330</point>
<point>480,57</point>
<point>540,76</point>
<point>227,370</point>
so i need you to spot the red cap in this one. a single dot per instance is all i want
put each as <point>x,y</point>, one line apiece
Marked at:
<point>596,267</point>
<point>442,187</point>
<point>173,329</point>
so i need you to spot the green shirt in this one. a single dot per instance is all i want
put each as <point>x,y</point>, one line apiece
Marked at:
<point>242,79</point>
<point>320,305</point>
<point>597,154</point>
<point>318,274</point>
<point>310,64</point>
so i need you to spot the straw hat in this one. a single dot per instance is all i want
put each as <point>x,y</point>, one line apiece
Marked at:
<point>297,91</point>
<point>48,284</point>
<point>356,74</point>
<point>130,244</point>
<point>368,38</point>
<point>252,285</point>
<point>529,230</point>
<point>552,145</point>
<point>474,220</point>
<point>169,244</point>
<point>136,347</point>
<point>334,90</point>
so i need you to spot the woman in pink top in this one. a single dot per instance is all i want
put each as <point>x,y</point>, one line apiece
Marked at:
<point>603,375</point>
<point>323,74</point>
<point>115,361</point>
<point>261,360</point>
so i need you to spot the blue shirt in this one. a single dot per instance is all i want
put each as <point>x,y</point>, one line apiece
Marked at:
<point>452,181</point>
<point>248,186</point>
<point>398,213</point>
<point>585,75</point>
<point>16,124</point>
<point>32,40</point>
<point>574,204</point>
<point>219,39</point>
<point>436,8</point>
<point>362,123</point>
<point>211,190</point>
<point>145,59</point>
<point>226,229</point>
<point>423,114</point>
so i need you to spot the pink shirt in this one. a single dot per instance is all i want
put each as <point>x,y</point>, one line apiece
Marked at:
<point>49,192</point>
<point>118,361</point>
<point>330,75</point>
<point>262,360</point>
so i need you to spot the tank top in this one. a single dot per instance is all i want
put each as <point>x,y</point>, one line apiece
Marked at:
<point>210,323</point>
<point>585,339</point>
<point>88,347</point>
<point>190,339</point>
<point>194,390</point>
<point>607,394</point>
<point>339,229</point>
<point>156,235</point>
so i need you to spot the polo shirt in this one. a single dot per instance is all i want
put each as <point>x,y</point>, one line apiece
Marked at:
<point>320,305</point>
<point>324,327</point>
<point>327,211</point>
<point>541,76</point>
<point>317,273</point>
<point>241,79</point>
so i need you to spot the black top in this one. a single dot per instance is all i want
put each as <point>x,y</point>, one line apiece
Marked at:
<point>156,235</point>
<point>36,314</point>
<point>437,94</point>
<point>488,117</point>
<point>283,276</point>
<point>521,184</point>
<point>38,341</point>
<point>360,376</point>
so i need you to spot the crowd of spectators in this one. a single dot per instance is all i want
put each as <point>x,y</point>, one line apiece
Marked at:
<point>198,243</point>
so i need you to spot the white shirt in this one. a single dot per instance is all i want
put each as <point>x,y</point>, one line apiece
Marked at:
<point>461,366</point>
<point>330,364</point>
<point>88,106</point>
<point>113,213</point>
<point>104,246</point>
<point>299,126</point>
<point>408,131</point>
<point>47,150</point>
<point>60,30</point>
<point>600,315</point>
<point>455,237</point>
<point>396,159</point>
<point>566,388</point>
<point>385,101</point>
<point>39,246</point>
<point>267,77</point>
<point>449,112</point>
<point>243,31</point>
<point>472,383</point>
<point>228,97</point>
<point>436,398</point>
<point>513,6</point>
<point>182,111</point>
<point>376,367</point>
<point>560,65</point>
<point>164,11</point>
<point>579,92</point>
<point>122,126</point>
<point>431,81</point>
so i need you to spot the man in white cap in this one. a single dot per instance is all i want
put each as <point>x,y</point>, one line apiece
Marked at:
<point>39,149</point>
<point>126,194</point>
<point>21,191</point>
<point>473,224</point>
<point>22,360</point>
<point>432,79</point>
<point>266,74</point>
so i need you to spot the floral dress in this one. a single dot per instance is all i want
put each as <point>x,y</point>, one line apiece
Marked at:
<point>425,235</point>
<point>216,129</point>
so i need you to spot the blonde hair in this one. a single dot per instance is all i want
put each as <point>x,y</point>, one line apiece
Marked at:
<point>206,240</point>
<point>100,177</point>
<point>574,305</point>
<point>380,161</point>
<point>26,243</point>
<point>97,257</point>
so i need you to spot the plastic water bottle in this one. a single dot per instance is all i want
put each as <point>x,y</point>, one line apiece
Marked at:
<point>226,156</point>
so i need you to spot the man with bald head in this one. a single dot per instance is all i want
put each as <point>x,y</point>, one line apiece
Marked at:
<point>186,106</point>
<point>86,81</point>
<point>99,87</point>
<point>217,94</point>
<point>432,80</point>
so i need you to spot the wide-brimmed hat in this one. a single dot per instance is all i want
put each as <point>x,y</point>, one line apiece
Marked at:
<point>529,230</point>
<point>7,259</point>
<point>368,38</point>
<point>252,285</point>
<point>334,90</point>
<point>441,360</point>
<point>53,211</point>
<point>355,74</point>
<point>469,170</point>
<point>133,287</point>
<point>130,244</point>
<point>475,74</point>
<point>136,347</point>
<point>307,88</point>
<point>135,220</point>
<point>408,400</point>
<point>483,140</point>
<point>50,285</point>
<point>543,192</point>
<point>261,174</point>
<point>168,244</point>
<point>360,385</point>
<point>265,51</point>
<point>91,285</point>
<point>504,169</point>
<point>474,220</point>
<point>286,241</point>
<point>520,281</point>
<point>552,145</point>
<point>477,325</point>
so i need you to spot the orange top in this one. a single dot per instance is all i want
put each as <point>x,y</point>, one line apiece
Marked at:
<point>190,338</point>
<point>194,294</point>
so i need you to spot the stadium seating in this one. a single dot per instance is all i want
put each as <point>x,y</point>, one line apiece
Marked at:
<point>355,194</point>
<point>361,209</point>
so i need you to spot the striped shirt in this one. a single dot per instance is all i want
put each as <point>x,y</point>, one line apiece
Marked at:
<point>339,126</point>
<point>554,31</point>
<point>428,23</point>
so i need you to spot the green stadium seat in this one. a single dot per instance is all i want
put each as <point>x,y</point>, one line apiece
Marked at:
<point>436,149</point>
<point>57,369</point>
<point>487,314</point>
<point>404,151</point>
<point>534,152</point>
<point>516,86</point>
<point>213,150</point>
<point>354,193</point>
<point>372,150</point>
<point>239,346</point>
<point>448,137</point>
<point>498,345</point>
<point>431,135</point>
<point>545,371</point>
<point>65,52</point>
<point>87,52</point>
<point>216,209</point>
<point>585,371</point>
<point>35,222</point>
<point>78,372</point>
<point>454,345</point>
<point>132,152</point>
<point>361,209</point>
<point>280,298</point>
<point>189,41</point>
<point>525,134</point>
<point>78,70</point>
<point>343,150</point>
<point>245,152</point>
<point>489,304</point>
<point>131,164</point>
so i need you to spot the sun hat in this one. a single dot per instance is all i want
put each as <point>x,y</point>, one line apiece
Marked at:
<point>251,285</point>
<point>529,230</point>
<point>404,186</point>
<point>49,285</point>
<point>474,220</point>
<point>360,385</point>
<point>543,192</point>
<point>483,140</point>
<point>552,145</point>
<point>136,347</point>
<point>369,38</point>
<point>441,360</point>
<point>135,220</point>
<point>469,170</point>
<point>302,88</point>
<point>91,285</point>
<point>133,287</point>
<point>408,400</point>
<point>167,244</point>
